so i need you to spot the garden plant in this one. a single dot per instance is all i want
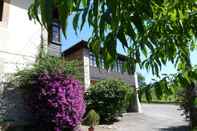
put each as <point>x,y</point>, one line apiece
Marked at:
<point>92,119</point>
<point>109,98</point>
<point>54,96</point>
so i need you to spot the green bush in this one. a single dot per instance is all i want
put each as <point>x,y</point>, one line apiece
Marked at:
<point>48,64</point>
<point>52,95</point>
<point>109,98</point>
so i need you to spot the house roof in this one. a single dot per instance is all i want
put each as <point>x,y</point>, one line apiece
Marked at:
<point>83,44</point>
<point>79,45</point>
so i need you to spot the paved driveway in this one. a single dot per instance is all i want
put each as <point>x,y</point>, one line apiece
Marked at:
<point>155,117</point>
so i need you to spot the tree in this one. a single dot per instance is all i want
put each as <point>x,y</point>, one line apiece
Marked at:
<point>185,89</point>
<point>160,31</point>
<point>152,32</point>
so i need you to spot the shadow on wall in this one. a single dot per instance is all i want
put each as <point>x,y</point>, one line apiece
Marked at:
<point>23,4</point>
<point>179,128</point>
<point>12,109</point>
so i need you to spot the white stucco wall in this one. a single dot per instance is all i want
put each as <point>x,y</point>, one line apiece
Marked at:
<point>19,39</point>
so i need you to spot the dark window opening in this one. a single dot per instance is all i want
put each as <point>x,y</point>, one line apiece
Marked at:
<point>1,10</point>
<point>55,34</point>
<point>55,31</point>
<point>55,14</point>
<point>117,66</point>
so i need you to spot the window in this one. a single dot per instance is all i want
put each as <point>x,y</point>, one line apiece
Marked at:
<point>55,31</point>
<point>55,34</point>
<point>1,10</point>
<point>120,66</point>
<point>92,60</point>
<point>102,63</point>
<point>114,68</point>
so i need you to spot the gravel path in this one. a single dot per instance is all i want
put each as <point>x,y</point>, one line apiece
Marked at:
<point>155,117</point>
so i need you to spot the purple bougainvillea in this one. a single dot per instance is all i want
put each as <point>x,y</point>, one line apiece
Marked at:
<point>57,101</point>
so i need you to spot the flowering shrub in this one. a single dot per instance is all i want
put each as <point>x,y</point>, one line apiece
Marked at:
<point>57,101</point>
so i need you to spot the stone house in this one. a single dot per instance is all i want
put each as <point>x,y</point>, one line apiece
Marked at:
<point>20,41</point>
<point>20,38</point>
<point>91,72</point>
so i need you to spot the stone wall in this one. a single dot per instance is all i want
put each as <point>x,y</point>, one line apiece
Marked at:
<point>77,55</point>
<point>12,103</point>
<point>54,50</point>
<point>100,74</point>
<point>20,38</point>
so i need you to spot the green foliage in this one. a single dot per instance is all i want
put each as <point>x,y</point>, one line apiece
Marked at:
<point>149,96</point>
<point>109,98</point>
<point>47,64</point>
<point>158,90</point>
<point>194,129</point>
<point>92,119</point>
<point>182,84</point>
<point>195,101</point>
<point>141,79</point>
<point>161,31</point>
<point>46,8</point>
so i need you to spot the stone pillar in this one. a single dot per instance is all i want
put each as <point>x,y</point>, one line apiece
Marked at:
<point>86,66</point>
<point>137,105</point>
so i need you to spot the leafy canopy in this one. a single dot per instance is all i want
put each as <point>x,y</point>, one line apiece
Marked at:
<point>152,32</point>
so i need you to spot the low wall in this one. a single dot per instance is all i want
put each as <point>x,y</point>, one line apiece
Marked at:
<point>12,104</point>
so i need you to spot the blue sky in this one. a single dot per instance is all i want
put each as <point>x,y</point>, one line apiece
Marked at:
<point>72,39</point>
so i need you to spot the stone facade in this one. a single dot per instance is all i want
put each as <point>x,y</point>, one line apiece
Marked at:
<point>77,55</point>
<point>54,50</point>
<point>82,55</point>
<point>20,38</point>
<point>100,74</point>
<point>81,52</point>
<point>13,111</point>
<point>20,41</point>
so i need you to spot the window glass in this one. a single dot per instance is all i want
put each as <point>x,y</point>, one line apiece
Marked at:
<point>102,63</point>
<point>92,60</point>
<point>114,69</point>
<point>120,66</point>
<point>55,33</point>
<point>1,10</point>
<point>117,66</point>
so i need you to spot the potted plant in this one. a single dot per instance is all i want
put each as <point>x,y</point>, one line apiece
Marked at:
<point>92,119</point>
